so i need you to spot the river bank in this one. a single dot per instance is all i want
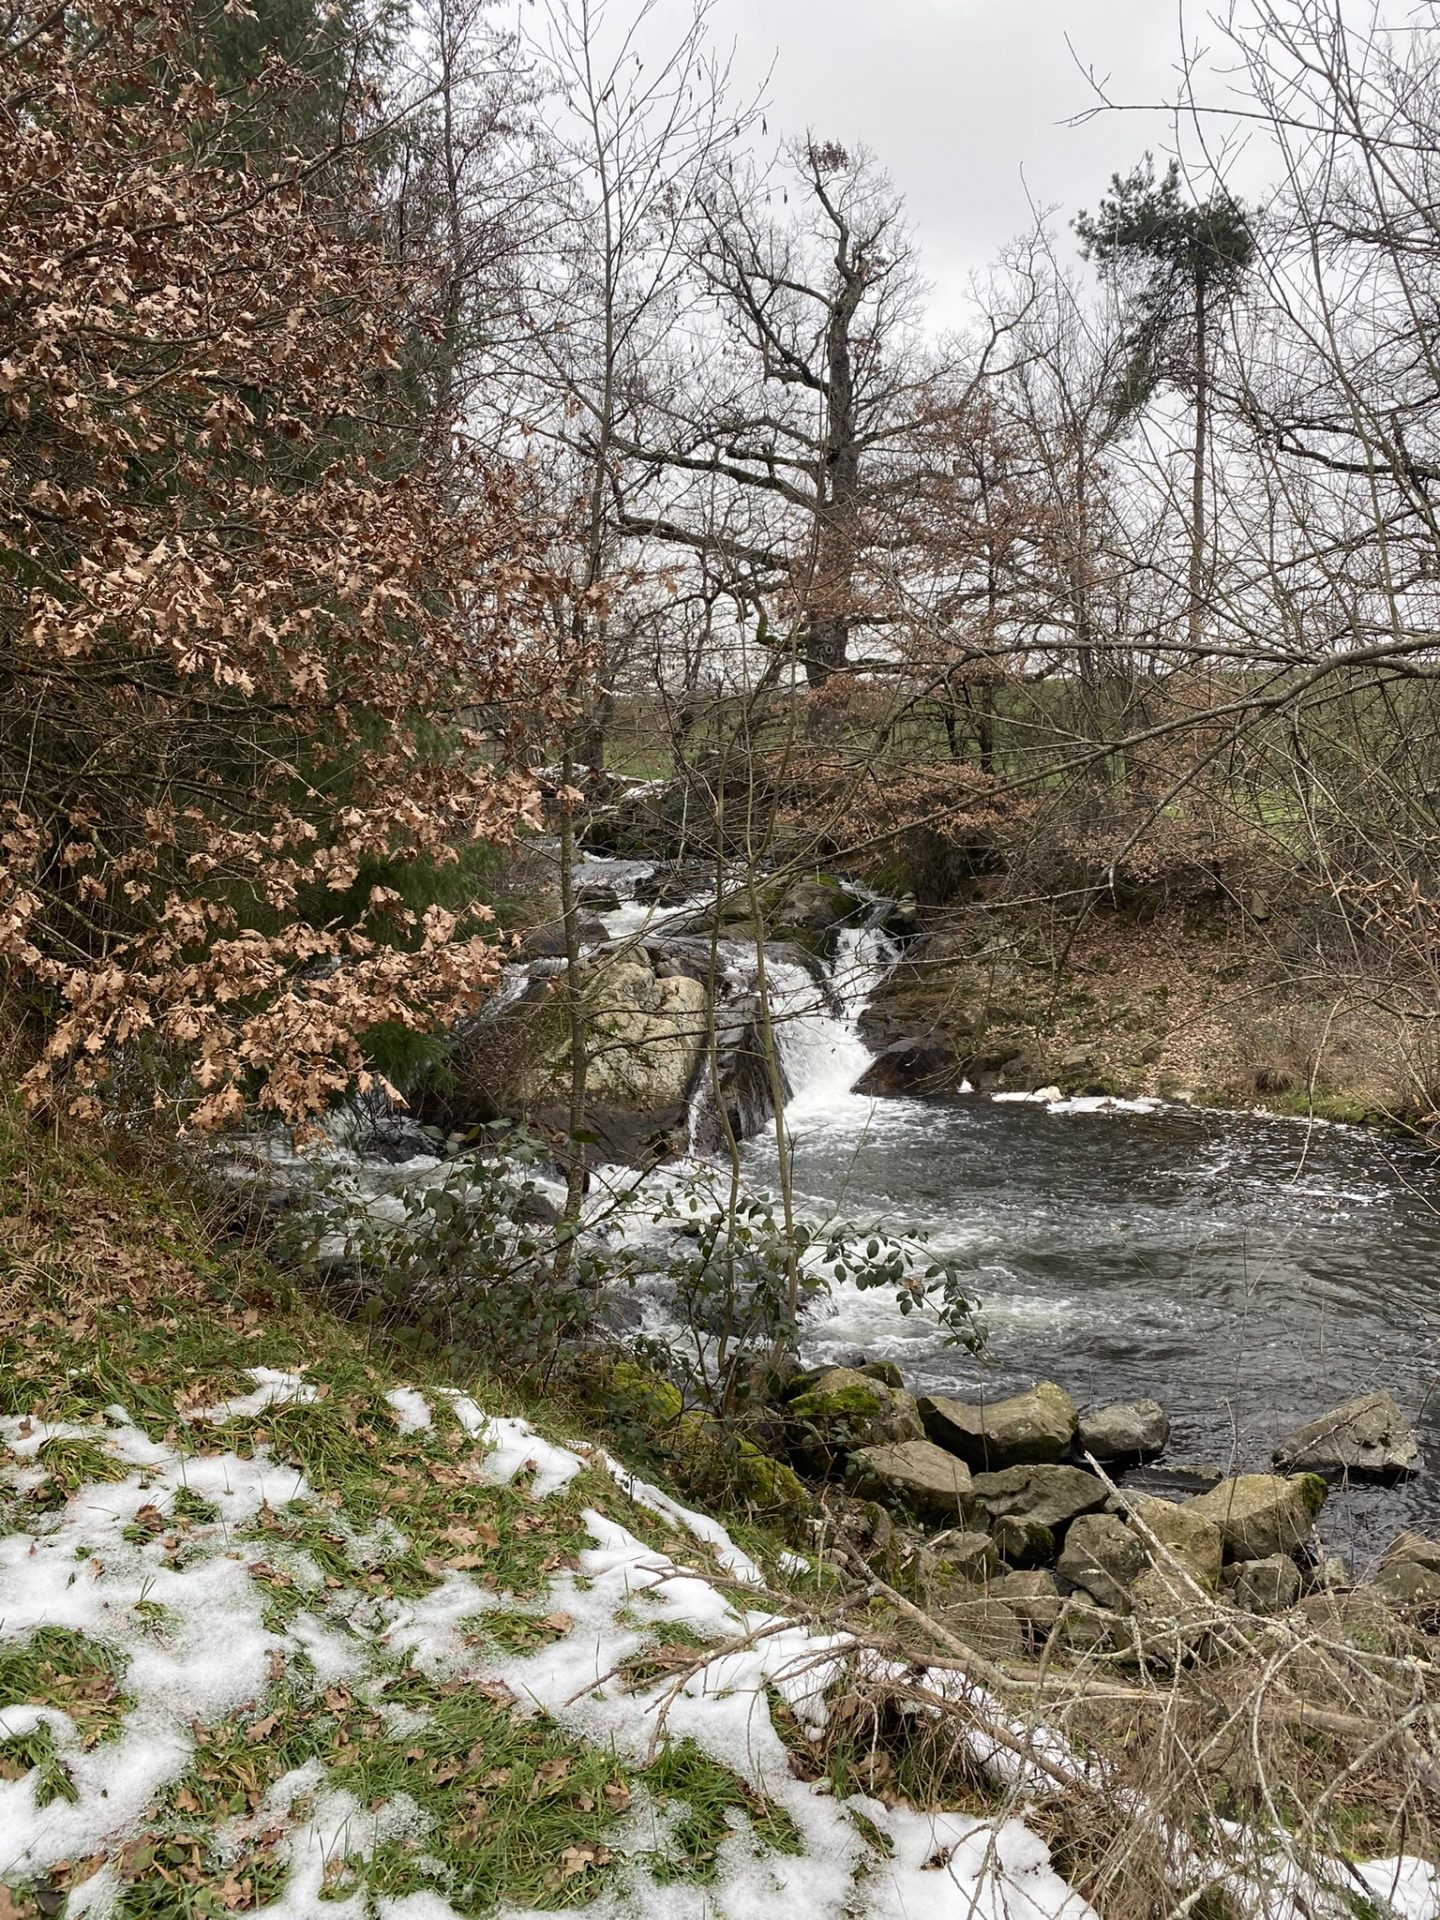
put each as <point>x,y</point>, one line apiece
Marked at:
<point>304,1620</point>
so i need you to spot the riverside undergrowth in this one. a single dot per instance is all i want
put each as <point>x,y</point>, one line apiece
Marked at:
<point>294,1620</point>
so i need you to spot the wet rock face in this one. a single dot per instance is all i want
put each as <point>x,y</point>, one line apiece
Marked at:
<point>1130,1430</point>
<point>1026,1429</point>
<point>923,1479</point>
<point>645,1038</point>
<point>1368,1438</point>
<point>1260,1514</point>
<point>908,1067</point>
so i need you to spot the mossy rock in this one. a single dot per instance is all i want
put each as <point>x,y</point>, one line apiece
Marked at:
<point>1259,1514</point>
<point>839,1411</point>
<point>731,1470</point>
<point>640,1395</point>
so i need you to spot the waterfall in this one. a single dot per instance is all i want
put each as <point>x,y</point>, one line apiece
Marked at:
<point>816,1021</point>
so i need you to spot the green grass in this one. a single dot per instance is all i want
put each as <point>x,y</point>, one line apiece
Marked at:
<point>708,1801</point>
<point>55,1667</point>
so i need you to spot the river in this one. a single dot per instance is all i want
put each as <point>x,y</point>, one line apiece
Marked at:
<point>1247,1272</point>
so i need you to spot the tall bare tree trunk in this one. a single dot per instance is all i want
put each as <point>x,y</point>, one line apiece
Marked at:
<point>1196,611</point>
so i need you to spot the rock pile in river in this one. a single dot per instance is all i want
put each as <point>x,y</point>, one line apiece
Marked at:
<point>1029,1527</point>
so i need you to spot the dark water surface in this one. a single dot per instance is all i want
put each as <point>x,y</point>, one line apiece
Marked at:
<point>1247,1273</point>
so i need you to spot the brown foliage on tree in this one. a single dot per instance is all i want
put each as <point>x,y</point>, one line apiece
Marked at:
<point>256,662</point>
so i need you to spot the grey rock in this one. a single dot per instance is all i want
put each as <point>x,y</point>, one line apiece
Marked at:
<point>1405,1584</point>
<point>965,1556</point>
<point>1189,1538</point>
<point>1267,1586</point>
<point>924,1479</point>
<point>1102,1557</point>
<point>1034,1598</point>
<point>1130,1430</point>
<point>1368,1438</point>
<point>597,898</point>
<point>1029,1508</point>
<point>1414,1546</point>
<point>1262,1513</point>
<point>1021,1430</point>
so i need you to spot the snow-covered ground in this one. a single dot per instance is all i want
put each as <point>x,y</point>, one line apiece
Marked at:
<point>195,1643</point>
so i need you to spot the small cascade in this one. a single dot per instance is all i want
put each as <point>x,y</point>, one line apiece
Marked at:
<point>814,1023</point>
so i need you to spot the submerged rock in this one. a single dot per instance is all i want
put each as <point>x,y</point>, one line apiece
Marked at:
<point>1259,1514</point>
<point>1130,1430</point>
<point>1366,1438</point>
<point>924,1479</point>
<point>1023,1430</point>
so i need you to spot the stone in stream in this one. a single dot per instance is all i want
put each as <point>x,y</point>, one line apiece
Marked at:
<point>1130,1430</point>
<point>1023,1430</point>
<point>908,1067</point>
<point>1104,1558</point>
<point>1262,1513</point>
<point>815,903</point>
<point>1267,1586</point>
<point>924,1479</point>
<point>1367,1438</point>
<point>598,897</point>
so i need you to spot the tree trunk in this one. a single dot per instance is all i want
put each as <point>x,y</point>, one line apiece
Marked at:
<point>1196,620</point>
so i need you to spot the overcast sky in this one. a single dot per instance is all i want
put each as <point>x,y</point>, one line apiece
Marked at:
<point>965,102</point>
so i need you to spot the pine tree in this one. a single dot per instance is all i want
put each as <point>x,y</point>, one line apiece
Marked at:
<point>1183,261</point>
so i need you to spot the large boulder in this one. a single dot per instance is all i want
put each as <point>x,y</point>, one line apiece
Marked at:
<point>923,1479</point>
<point>1103,1558</point>
<point>1369,1438</point>
<point>815,903</point>
<point>1024,1430</point>
<point>838,1411</point>
<point>1174,1534</point>
<point>908,1067</point>
<point>1130,1430</point>
<point>645,1039</point>
<point>1030,1507</point>
<point>1262,1513</point>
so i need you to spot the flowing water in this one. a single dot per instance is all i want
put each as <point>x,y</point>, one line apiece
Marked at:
<point>1249,1273</point>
